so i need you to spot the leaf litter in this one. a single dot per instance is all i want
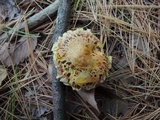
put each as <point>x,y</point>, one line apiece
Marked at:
<point>8,12</point>
<point>130,33</point>
<point>11,54</point>
<point>25,82</point>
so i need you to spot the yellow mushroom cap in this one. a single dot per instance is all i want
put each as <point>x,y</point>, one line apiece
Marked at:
<point>80,59</point>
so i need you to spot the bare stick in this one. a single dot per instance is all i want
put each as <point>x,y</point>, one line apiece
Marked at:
<point>34,21</point>
<point>58,88</point>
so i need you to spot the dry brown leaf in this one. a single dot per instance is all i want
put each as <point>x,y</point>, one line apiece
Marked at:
<point>89,96</point>
<point>14,54</point>
<point>3,74</point>
<point>8,11</point>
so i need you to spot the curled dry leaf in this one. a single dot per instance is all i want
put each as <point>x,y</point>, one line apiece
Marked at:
<point>89,96</point>
<point>14,54</point>
<point>3,74</point>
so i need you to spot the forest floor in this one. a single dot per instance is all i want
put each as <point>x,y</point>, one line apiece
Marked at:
<point>130,33</point>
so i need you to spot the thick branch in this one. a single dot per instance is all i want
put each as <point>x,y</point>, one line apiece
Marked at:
<point>59,111</point>
<point>35,20</point>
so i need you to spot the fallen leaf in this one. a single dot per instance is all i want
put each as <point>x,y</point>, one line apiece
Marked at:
<point>3,74</point>
<point>14,54</point>
<point>8,11</point>
<point>89,96</point>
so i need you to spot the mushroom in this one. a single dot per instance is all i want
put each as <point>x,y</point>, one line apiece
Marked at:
<point>80,60</point>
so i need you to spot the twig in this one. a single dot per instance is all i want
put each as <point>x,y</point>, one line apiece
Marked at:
<point>58,88</point>
<point>33,21</point>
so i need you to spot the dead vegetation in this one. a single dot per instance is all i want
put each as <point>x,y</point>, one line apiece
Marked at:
<point>130,32</point>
